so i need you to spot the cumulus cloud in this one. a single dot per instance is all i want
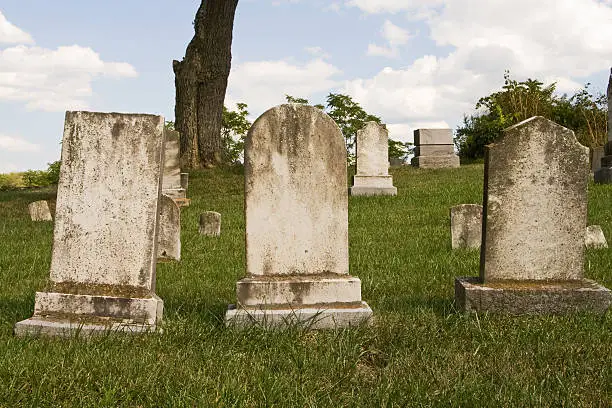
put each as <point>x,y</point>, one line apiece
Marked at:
<point>15,144</point>
<point>10,34</point>
<point>53,80</point>
<point>263,84</point>
<point>393,6</point>
<point>395,37</point>
<point>318,52</point>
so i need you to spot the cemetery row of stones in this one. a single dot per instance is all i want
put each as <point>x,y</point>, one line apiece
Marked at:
<point>115,168</point>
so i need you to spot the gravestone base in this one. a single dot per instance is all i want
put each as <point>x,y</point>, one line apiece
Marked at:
<point>175,193</point>
<point>531,297</point>
<point>64,314</point>
<point>435,162</point>
<point>182,202</point>
<point>373,185</point>
<point>315,300</point>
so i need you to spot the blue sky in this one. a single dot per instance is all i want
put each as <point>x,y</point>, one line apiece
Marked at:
<point>414,63</point>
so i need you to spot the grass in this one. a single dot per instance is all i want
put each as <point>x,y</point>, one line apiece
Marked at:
<point>421,352</point>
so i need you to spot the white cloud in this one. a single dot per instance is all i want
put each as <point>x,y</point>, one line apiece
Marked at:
<point>50,80</point>
<point>395,37</point>
<point>318,52</point>
<point>381,51</point>
<point>393,6</point>
<point>10,34</point>
<point>15,144</point>
<point>263,84</point>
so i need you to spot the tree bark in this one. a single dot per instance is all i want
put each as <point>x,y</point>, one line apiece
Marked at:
<point>201,80</point>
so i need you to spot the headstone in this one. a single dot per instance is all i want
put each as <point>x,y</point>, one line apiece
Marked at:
<point>210,224</point>
<point>434,149</point>
<point>372,176</point>
<point>39,211</point>
<point>169,240</point>
<point>595,238</point>
<point>396,162</point>
<point>296,210</point>
<point>597,153</point>
<point>173,178</point>
<point>466,226</point>
<point>185,181</point>
<point>604,174</point>
<point>102,274</point>
<point>535,213</point>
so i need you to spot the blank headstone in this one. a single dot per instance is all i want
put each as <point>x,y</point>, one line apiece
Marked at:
<point>297,224</point>
<point>169,239</point>
<point>104,244</point>
<point>372,176</point>
<point>39,211</point>
<point>434,149</point>
<point>535,213</point>
<point>210,224</point>
<point>173,178</point>
<point>603,175</point>
<point>466,226</point>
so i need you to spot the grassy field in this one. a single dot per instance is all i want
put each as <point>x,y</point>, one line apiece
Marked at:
<point>420,352</point>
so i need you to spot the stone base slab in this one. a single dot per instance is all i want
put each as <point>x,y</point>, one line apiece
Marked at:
<point>313,318</point>
<point>436,162</point>
<point>278,292</point>
<point>369,191</point>
<point>372,185</point>
<point>530,297</point>
<point>603,175</point>
<point>182,202</point>
<point>49,326</point>
<point>136,310</point>
<point>177,192</point>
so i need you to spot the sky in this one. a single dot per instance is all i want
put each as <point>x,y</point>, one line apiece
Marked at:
<point>414,63</point>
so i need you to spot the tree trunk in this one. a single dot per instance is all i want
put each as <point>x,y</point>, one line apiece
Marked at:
<point>201,80</point>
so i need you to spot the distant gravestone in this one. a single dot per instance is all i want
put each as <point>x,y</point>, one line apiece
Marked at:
<point>372,176</point>
<point>296,210</point>
<point>604,174</point>
<point>102,273</point>
<point>169,240</point>
<point>210,224</point>
<point>597,153</point>
<point>173,178</point>
<point>535,213</point>
<point>434,149</point>
<point>39,211</point>
<point>466,226</point>
<point>595,238</point>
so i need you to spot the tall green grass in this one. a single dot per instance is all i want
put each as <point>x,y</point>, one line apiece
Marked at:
<point>420,352</point>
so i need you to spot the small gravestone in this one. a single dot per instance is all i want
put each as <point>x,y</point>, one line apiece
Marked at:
<point>296,212</point>
<point>434,149</point>
<point>597,153</point>
<point>169,240</point>
<point>39,211</point>
<point>604,174</point>
<point>210,224</point>
<point>372,176</point>
<point>102,274</point>
<point>595,238</point>
<point>466,226</point>
<point>173,178</point>
<point>535,213</point>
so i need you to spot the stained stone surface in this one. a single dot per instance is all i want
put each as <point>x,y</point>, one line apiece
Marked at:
<point>372,176</point>
<point>296,209</point>
<point>594,237</point>
<point>210,224</point>
<point>106,227</point>
<point>466,226</point>
<point>535,204</point>
<point>169,239</point>
<point>434,149</point>
<point>535,213</point>
<point>39,211</point>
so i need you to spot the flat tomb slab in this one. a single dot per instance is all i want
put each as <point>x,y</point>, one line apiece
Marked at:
<point>314,318</point>
<point>531,297</point>
<point>63,327</point>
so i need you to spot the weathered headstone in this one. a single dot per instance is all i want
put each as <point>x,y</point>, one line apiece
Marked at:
<point>169,239</point>
<point>434,149</point>
<point>595,238</point>
<point>296,208</point>
<point>535,213</point>
<point>466,226</point>
<point>372,176</point>
<point>210,224</point>
<point>597,153</point>
<point>102,274</point>
<point>173,178</point>
<point>39,211</point>
<point>604,174</point>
